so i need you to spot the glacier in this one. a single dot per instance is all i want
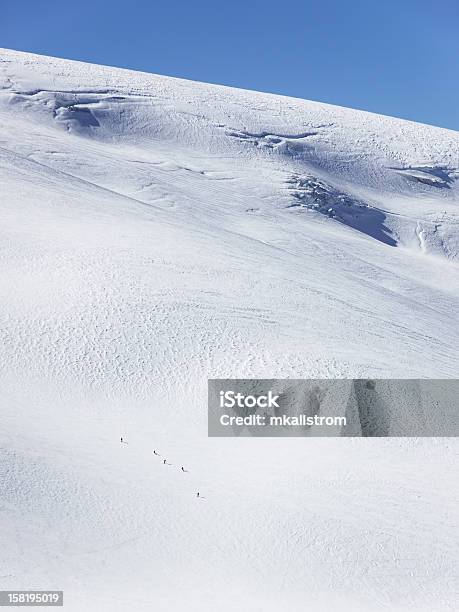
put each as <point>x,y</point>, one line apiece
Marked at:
<point>158,232</point>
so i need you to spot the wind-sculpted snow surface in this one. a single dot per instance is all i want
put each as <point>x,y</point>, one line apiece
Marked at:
<point>158,232</point>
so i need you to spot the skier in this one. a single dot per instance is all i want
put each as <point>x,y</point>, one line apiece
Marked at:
<point>183,469</point>
<point>121,439</point>
<point>197,494</point>
<point>155,453</point>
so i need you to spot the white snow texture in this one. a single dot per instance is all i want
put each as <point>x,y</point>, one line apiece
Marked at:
<point>158,232</point>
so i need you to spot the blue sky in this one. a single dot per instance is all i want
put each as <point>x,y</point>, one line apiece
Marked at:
<point>395,57</point>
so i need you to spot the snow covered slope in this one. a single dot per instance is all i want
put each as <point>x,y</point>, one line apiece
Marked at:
<point>157,232</point>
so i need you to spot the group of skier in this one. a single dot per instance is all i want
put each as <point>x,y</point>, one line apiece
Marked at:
<point>165,463</point>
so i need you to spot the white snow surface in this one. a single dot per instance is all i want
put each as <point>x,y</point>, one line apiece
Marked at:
<point>158,232</point>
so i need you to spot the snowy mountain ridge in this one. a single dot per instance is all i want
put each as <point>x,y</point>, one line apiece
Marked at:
<point>314,143</point>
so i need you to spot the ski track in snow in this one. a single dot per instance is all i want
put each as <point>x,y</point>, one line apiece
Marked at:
<point>158,232</point>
